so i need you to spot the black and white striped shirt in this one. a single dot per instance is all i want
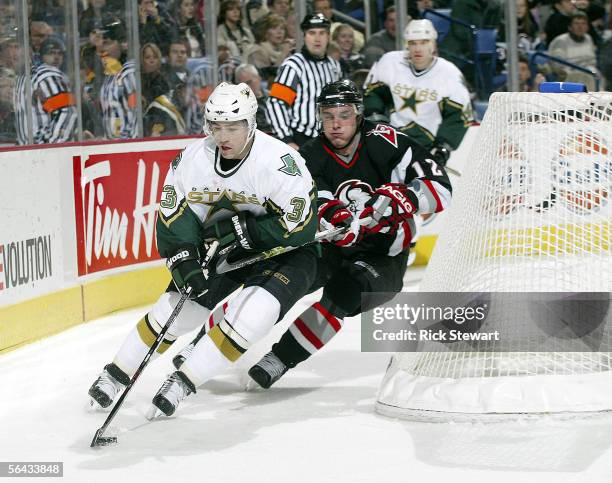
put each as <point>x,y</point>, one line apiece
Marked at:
<point>118,102</point>
<point>54,114</point>
<point>291,105</point>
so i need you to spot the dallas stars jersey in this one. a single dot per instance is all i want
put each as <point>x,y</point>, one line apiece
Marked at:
<point>383,155</point>
<point>430,105</point>
<point>271,182</point>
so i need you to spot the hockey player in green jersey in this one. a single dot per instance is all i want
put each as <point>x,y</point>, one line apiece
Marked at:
<point>425,95</point>
<point>249,191</point>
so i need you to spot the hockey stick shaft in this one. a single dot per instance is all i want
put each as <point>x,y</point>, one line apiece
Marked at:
<point>452,171</point>
<point>224,266</point>
<point>99,433</point>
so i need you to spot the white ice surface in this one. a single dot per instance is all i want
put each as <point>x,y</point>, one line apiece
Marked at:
<point>316,425</point>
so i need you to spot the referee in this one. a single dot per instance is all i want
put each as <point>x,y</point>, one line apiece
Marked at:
<point>54,113</point>
<point>291,105</point>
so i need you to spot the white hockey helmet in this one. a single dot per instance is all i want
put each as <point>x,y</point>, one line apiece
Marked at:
<point>420,30</point>
<point>230,102</point>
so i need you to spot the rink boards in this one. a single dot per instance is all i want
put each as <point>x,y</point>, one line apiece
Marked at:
<point>77,232</point>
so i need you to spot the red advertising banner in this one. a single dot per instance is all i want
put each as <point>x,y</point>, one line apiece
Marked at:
<point>116,199</point>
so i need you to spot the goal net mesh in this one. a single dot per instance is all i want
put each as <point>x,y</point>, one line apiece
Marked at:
<point>531,213</point>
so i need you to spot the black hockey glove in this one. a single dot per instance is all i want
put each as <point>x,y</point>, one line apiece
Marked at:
<point>186,271</point>
<point>234,230</point>
<point>440,153</point>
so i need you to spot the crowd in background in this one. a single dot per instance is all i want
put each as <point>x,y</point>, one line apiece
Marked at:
<point>253,39</point>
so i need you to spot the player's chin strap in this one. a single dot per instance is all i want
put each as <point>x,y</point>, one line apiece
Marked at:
<point>224,266</point>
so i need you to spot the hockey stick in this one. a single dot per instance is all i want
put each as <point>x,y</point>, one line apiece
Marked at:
<point>223,266</point>
<point>99,439</point>
<point>452,171</point>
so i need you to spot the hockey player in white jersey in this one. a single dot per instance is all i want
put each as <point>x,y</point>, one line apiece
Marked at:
<point>249,191</point>
<point>425,95</point>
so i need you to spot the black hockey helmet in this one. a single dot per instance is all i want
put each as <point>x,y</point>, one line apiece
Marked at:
<point>315,21</point>
<point>339,93</point>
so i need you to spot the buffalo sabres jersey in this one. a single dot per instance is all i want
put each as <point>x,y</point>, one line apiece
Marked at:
<point>383,155</point>
<point>271,182</point>
<point>427,105</point>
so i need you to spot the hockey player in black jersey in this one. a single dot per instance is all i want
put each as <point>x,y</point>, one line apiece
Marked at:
<point>372,179</point>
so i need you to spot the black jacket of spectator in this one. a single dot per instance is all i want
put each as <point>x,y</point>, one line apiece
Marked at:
<point>556,25</point>
<point>157,32</point>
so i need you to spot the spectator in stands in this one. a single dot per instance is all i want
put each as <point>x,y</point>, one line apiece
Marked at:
<point>248,74</point>
<point>7,114</point>
<point>187,26</point>
<point>8,19</point>
<point>93,17</point>
<point>175,71</point>
<point>291,26</point>
<point>39,31</point>
<point>325,7</point>
<point>382,41</point>
<point>230,31</point>
<point>272,48</point>
<point>605,62</point>
<point>152,27</point>
<point>199,86</point>
<point>416,8</point>
<point>527,28</point>
<point>227,64</point>
<point>253,11</point>
<point>458,44</point>
<point>165,116</point>
<point>527,81</point>
<point>350,60</point>
<point>596,14</point>
<point>153,82</point>
<point>559,21</point>
<point>50,12</point>
<point>118,91</point>
<point>10,54</point>
<point>577,47</point>
<point>279,7</point>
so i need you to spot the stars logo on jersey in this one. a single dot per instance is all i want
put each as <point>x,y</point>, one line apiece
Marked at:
<point>176,161</point>
<point>386,132</point>
<point>290,166</point>
<point>410,102</point>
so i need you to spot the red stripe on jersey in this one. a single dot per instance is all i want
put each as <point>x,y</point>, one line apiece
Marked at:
<point>407,235</point>
<point>429,185</point>
<point>333,321</point>
<point>339,161</point>
<point>306,332</point>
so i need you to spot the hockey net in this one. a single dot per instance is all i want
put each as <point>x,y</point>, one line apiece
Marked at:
<point>531,213</point>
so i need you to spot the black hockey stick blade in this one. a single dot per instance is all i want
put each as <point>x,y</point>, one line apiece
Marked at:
<point>100,440</point>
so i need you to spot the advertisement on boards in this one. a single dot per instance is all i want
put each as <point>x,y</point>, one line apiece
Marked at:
<point>116,198</point>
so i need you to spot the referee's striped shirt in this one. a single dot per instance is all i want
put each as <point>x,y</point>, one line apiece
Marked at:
<point>118,102</point>
<point>291,105</point>
<point>54,114</point>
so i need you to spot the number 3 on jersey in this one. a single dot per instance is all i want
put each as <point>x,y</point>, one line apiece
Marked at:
<point>298,209</point>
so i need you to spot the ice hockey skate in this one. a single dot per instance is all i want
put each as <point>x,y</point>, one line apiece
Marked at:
<point>176,388</point>
<point>268,370</point>
<point>106,387</point>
